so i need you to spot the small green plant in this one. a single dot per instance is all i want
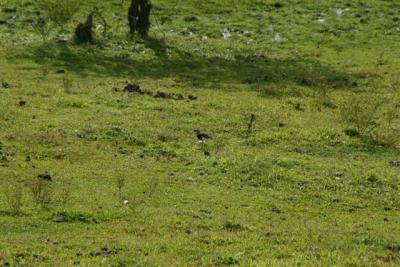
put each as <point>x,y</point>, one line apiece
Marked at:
<point>323,98</point>
<point>59,12</point>
<point>389,133</point>
<point>360,113</point>
<point>67,84</point>
<point>381,59</point>
<point>120,184</point>
<point>42,27</point>
<point>140,198</point>
<point>250,124</point>
<point>13,192</point>
<point>42,192</point>
<point>64,195</point>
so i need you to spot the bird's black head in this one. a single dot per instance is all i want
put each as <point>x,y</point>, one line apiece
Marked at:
<point>196,131</point>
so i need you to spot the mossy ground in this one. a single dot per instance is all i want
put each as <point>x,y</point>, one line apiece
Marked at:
<point>296,191</point>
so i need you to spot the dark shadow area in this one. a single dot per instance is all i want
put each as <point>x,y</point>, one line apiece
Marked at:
<point>189,68</point>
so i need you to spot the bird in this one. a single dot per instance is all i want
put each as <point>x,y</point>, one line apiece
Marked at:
<point>201,136</point>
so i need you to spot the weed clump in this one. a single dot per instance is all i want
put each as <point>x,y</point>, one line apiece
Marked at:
<point>42,191</point>
<point>366,116</point>
<point>13,192</point>
<point>59,12</point>
<point>359,113</point>
<point>140,198</point>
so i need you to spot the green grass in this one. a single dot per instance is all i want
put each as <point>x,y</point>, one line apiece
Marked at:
<point>338,196</point>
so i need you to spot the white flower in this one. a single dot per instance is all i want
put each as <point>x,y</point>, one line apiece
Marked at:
<point>278,38</point>
<point>339,11</point>
<point>226,34</point>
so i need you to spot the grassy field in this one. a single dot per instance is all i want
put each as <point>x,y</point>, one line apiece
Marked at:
<point>312,180</point>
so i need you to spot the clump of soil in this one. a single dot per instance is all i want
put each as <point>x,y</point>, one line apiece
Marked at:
<point>45,176</point>
<point>165,95</point>
<point>135,88</point>
<point>105,251</point>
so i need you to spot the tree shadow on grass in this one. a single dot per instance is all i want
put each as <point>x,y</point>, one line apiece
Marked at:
<point>189,68</point>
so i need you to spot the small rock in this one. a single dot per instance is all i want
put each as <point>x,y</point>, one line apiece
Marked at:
<point>59,219</point>
<point>22,103</point>
<point>45,176</point>
<point>267,234</point>
<point>351,132</point>
<point>164,95</point>
<point>275,209</point>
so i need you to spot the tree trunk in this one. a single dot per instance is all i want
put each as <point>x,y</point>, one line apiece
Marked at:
<point>139,17</point>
